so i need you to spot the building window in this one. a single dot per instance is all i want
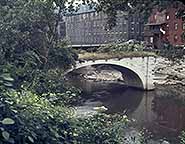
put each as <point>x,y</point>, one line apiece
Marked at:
<point>131,19</point>
<point>167,17</point>
<point>175,37</point>
<point>91,15</point>
<point>83,16</point>
<point>151,40</point>
<point>132,37</point>
<point>80,17</point>
<point>155,17</point>
<point>183,37</point>
<point>176,13</point>
<point>96,14</point>
<point>183,26</point>
<point>176,26</point>
<point>137,28</point>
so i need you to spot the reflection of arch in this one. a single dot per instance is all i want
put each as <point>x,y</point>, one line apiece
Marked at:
<point>126,100</point>
<point>170,113</point>
<point>131,77</point>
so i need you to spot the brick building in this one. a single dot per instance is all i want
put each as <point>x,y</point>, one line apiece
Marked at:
<point>88,27</point>
<point>164,26</point>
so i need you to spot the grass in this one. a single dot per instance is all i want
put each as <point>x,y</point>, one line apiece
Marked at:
<point>98,56</point>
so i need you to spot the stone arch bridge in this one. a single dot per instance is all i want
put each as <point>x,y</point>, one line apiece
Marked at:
<point>137,72</point>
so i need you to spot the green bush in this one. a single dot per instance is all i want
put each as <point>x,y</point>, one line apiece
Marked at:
<point>34,106</point>
<point>124,47</point>
<point>174,53</point>
<point>51,85</point>
<point>46,81</point>
<point>8,123</point>
<point>61,57</point>
<point>68,97</point>
<point>30,118</point>
<point>182,137</point>
<point>37,120</point>
<point>101,129</point>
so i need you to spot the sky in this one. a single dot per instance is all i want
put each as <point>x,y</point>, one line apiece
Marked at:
<point>77,2</point>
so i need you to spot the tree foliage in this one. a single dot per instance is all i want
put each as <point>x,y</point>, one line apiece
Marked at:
<point>34,103</point>
<point>29,41</point>
<point>29,29</point>
<point>110,7</point>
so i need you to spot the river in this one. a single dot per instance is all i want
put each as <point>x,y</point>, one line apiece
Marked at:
<point>161,115</point>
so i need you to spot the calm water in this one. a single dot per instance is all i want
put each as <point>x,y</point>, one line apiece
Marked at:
<point>161,115</point>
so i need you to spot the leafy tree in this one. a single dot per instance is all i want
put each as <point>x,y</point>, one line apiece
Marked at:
<point>29,41</point>
<point>132,6</point>
<point>29,26</point>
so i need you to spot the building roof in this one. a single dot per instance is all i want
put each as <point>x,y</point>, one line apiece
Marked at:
<point>150,24</point>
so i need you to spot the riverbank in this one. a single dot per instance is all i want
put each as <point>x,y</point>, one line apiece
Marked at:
<point>138,105</point>
<point>160,111</point>
<point>170,78</point>
<point>169,72</point>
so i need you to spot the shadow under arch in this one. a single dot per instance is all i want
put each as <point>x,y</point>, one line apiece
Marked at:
<point>131,78</point>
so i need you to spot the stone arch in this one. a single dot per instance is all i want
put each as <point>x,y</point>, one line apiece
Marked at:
<point>132,77</point>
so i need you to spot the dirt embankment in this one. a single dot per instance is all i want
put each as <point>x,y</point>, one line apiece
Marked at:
<point>169,72</point>
<point>170,78</point>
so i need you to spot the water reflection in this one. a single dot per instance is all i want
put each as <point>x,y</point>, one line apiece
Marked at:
<point>170,115</point>
<point>118,99</point>
<point>122,100</point>
<point>162,116</point>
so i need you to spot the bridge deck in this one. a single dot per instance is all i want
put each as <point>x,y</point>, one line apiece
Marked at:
<point>120,55</point>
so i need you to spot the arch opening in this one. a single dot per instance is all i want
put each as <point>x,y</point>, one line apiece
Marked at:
<point>131,78</point>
